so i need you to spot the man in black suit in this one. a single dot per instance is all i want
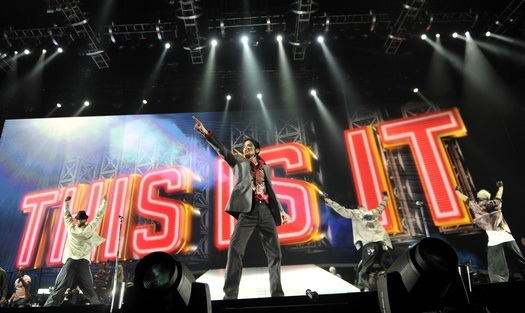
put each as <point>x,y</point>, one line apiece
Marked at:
<point>254,204</point>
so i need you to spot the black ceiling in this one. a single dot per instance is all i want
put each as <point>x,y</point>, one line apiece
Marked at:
<point>359,45</point>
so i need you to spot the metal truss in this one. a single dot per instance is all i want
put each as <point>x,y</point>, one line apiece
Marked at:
<point>7,63</point>
<point>83,30</point>
<point>253,23</point>
<point>301,37</point>
<point>355,21</point>
<point>142,30</point>
<point>411,17</point>
<point>509,15</point>
<point>189,13</point>
<point>401,29</point>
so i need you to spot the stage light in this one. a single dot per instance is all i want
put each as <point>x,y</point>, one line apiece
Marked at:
<point>415,90</point>
<point>144,101</point>
<point>59,105</point>
<point>467,33</point>
<point>167,45</point>
<point>163,284</point>
<point>26,51</point>
<point>228,97</point>
<point>214,43</point>
<point>44,51</point>
<point>313,92</point>
<point>425,278</point>
<point>438,35</point>
<point>259,96</point>
<point>455,35</point>
<point>320,39</point>
<point>423,36</point>
<point>487,34</point>
<point>244,39</point>
<point>86,103</point>
<point>60,50</point>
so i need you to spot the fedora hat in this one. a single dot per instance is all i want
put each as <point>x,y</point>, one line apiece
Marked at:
<point>81,215</point>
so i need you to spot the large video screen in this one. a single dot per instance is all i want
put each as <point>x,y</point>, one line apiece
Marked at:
<point>167,188</point>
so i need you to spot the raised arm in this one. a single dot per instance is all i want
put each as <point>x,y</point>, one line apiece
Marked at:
<point>199,127</point>
<point>382,205</point>
<point>100,213</point>
<point>68,219</point>
<point>343,211</point>
<point>499,193</point>
<point>461,195</point>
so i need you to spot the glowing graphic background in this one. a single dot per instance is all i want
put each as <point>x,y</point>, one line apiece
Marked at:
<point>126,155</point>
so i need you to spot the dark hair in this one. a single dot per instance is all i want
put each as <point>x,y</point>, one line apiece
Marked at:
<point>255,142</point>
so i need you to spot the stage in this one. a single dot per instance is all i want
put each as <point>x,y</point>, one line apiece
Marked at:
<point>334,295</point>
<point>296,279</point>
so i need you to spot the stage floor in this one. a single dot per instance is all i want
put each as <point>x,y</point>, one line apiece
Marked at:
<point>296,279</point>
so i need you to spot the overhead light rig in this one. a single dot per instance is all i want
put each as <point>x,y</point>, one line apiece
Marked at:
<point>143,31</point>
<point>508,17</point>
<point>413,18</point>
<point>80,25</point>
<point>189,13</point>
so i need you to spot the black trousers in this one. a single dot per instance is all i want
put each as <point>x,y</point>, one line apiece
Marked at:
<point>501,257</point>
<point>371,254</point>
<point>259,217</point>
<point>73,271</point>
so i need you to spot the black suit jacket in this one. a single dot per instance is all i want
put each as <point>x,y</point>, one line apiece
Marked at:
<point>242,194</point>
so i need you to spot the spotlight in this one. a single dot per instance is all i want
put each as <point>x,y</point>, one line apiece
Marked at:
<point>86,103</point>
<point>244,39</point>
<point>144,101</point>
<point>279,38</point>
<point>438,35</point>
<point>26,51</point>
<point>423,36</point>
<point>214,43</point>
<point>60,50</point>
<point>259,96</point>
<point>228,97</point>
<point>313,92</point>
<point>455,35</point>
<point>467,33</point>
<point>320,39</point>
<point>167,45</point>
<point>415,90</point>
<point>424,278</point>
<point>163,284</point>
<point>487,34</point>
<point>59,105</point>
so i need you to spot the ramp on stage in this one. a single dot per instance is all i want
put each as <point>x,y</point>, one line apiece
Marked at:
<point>296,279</point>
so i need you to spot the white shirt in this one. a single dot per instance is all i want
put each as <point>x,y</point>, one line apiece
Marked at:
<point>497,237</point>
<point>82,240</point>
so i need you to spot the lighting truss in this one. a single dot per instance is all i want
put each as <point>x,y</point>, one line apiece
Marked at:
<point>189,13</point>
<point>6,62</point>
<point>268,22</point>
<point>300,39</point>
<point>143,30</point>
<point>509,15</point>
<point>83,30</point>
<point>405,20</point>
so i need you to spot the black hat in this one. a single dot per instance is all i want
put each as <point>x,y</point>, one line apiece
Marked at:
<point>81,215</point>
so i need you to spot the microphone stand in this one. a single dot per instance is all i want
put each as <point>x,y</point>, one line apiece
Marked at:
<point>114,307</point>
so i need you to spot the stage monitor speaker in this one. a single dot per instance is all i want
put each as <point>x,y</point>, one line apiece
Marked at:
<point>424,278</point>
<point>163,284</point>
